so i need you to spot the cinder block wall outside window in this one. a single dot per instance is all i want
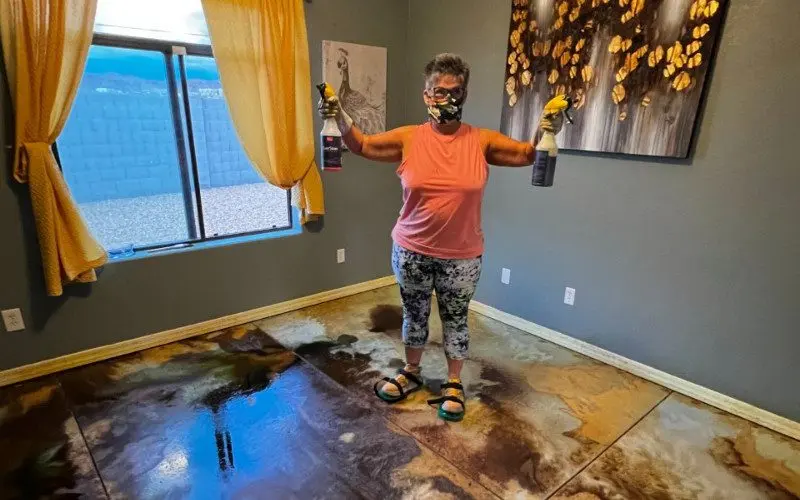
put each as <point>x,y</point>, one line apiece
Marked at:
<point>122,143</point>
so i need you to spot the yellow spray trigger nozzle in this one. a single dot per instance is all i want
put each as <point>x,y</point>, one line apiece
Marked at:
<point>559,104</point>
<point>325,90</point>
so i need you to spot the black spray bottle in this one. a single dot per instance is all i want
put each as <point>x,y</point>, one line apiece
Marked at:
<point>544,166</point>
<point>331,144</point>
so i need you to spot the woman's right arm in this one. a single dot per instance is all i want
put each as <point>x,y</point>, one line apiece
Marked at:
<point>385,146</point>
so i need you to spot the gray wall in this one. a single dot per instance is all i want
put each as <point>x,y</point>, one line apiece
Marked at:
<point>688,267</point>
<point>145,296</point>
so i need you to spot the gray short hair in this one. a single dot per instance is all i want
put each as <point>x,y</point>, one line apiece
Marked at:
<point>447,64</point>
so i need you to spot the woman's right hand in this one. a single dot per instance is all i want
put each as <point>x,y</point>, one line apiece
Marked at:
<point>329,108</point>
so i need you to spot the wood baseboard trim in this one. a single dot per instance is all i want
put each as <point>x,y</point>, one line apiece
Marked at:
<point>50,366</point>
<point>747,411</point>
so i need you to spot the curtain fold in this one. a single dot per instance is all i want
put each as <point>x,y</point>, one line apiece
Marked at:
<point>45,45</point>
<point>261,50</point>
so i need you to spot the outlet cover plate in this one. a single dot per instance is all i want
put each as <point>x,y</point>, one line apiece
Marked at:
<point>569,296</point>
<point>12,319</point>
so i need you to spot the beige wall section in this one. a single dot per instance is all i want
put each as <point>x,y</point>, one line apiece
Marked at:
<point>142,297</point>
<point>689,267</point>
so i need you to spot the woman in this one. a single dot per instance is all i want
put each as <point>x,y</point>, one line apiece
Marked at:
<point>438,242</point>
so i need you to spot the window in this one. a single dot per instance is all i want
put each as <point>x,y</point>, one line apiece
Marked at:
<point>149,150</point>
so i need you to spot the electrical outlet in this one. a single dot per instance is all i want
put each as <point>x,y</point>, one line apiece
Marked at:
<point>569,296</point>
<point>505,276</point>
<point>12,318</point>
<point>340,256</point>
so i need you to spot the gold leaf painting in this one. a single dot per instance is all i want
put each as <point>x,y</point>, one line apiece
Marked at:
<point>605,54</point>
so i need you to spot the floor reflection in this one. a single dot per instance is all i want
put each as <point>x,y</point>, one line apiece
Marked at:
<point>222,437</point>
<point>236,415</point>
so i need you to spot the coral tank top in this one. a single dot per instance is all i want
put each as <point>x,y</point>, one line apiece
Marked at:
<point>443,179</point>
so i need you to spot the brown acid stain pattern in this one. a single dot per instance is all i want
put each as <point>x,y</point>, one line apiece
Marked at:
<point>38,397</point>
<point>685,449</point>
<point>17,400</point>
<point>600,396</point>
<point>776,477</point>
<point>447,481</point>
<point>740,455</point>
<point>385,317</point>
<point>506,453</point>
<point>43,454</point>
<point>156,357</point>
<point>501,429</point>
<point>513,387</point>
<point>522,459</point>
<point>583,496</point>
<point>645,477</point>
<point>348,314</point>
<point>346,369</point>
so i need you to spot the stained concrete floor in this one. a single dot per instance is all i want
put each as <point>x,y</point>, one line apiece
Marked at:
<point>283,408</point>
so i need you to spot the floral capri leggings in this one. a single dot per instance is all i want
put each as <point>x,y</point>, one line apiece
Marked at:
<point>454,281</point>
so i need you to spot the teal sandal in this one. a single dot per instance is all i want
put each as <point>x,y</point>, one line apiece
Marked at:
<point>448,415</point>
<point>403,392</point>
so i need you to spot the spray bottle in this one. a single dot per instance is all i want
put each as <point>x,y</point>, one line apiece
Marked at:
<point>544,166</point>
<point>330,137</point>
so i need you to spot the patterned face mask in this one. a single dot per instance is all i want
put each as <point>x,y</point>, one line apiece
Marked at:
<point>446,108</point>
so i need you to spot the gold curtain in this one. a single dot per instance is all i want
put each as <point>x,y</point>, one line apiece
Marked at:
<point>262,54</point>
<point>45,44</point>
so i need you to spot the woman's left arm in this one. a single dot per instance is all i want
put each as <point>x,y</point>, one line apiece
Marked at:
<point>504,151</point>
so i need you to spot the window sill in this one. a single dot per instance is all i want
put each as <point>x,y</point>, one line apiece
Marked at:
<point>296,229</point>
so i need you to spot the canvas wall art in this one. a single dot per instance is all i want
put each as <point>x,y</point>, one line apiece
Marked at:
<point>358,73</point>
<point>635,69</point>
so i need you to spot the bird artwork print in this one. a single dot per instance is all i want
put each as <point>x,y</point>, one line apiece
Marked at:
<point>357,99</point>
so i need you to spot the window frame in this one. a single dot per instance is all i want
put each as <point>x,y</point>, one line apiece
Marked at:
<point>181,111</point>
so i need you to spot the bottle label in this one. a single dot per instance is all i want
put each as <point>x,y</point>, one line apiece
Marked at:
<point>331,152</point>
<point>544,168</point>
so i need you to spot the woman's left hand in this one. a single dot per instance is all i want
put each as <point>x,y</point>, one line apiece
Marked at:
<point>552,123</point>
